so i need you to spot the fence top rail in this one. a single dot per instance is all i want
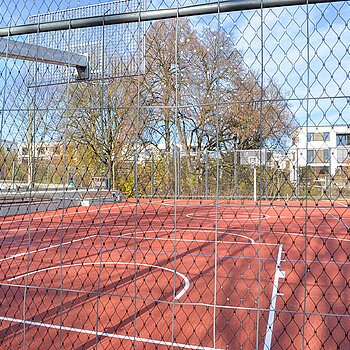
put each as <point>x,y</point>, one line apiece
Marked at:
<point>149,15</point>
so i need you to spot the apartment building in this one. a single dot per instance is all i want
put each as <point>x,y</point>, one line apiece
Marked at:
<point>9,147</point>
<point>320,147</point>
<point>41,150</point>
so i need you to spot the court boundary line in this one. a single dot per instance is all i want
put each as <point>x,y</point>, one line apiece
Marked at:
<point>313,236</point>
<point>106,334</point>
<point>181,303</point>
<point>177,296</point>
<point>249,240</point>
<point>125,235</point>
<point>128,204</point>
<point>278,274</point>
<point>239,216</point>
<point>46,248</point>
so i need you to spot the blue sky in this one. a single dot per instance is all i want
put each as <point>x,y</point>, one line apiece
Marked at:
<point>282,40</point>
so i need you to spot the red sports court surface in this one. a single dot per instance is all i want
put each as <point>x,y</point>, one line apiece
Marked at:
<point>244,280</point>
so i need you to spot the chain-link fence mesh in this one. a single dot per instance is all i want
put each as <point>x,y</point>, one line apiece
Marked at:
<point>174,174</point>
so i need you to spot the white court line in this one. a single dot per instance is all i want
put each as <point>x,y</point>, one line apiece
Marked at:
<point>341,203</point>
<point>222,230</point>
<point>179,295</point>
<point>109,335</point>
<point>228,216</point>
<point>45,229</point>
<point>115,226</point>
<point>278,274</point>
<point>88,211</point>
<point>46,248</point>
<point>182,239</point>
<point>131,226</point>
<point>147,211</point>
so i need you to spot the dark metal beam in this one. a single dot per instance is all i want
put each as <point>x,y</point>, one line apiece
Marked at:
<point>131,17</point>
<point>32,52</point>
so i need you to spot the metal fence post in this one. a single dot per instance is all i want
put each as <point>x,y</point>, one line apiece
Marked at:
<point>13,172</point>
<point>254,183</point>
<point>152,175</point>
<point>206,174</point>
<point>48,175</point>
<point>235,169</point>
<point>135,173</point>
<point>265,187</point>
<point>178,174</point>
<point>113,174</point>
<point>278,183</point>
<point>330,175</point>
<point>297,171</point>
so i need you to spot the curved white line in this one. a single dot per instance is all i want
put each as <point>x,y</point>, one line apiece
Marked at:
<point>132,234</point>
<point>239,235</point>
<point>227,216</point>
<point>167,228</point>
<point>46,248</point>
<point>179,295</point>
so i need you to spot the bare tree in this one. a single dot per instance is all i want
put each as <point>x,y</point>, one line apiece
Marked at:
<point>167,53</point>
<point>30,112</point>
<point>219,100</point>
<point>104,126</point>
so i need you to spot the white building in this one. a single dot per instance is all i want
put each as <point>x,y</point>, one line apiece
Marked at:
<point>9,147</point>
<point>42,150</point>
<point>270,157</point>
<point>320,147</point>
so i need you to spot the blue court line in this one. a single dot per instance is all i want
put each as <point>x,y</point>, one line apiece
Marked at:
<point>16,234</point>
<point>336,218</point>
<point>317,261</point>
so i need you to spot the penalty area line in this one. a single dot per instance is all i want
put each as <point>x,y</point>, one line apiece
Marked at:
<point>106,334</point>
<point>178,296</point>
<point>278,274</point>
<point>46,248</point>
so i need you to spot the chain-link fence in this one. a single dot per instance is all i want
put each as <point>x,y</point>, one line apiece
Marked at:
<point>175,174</point>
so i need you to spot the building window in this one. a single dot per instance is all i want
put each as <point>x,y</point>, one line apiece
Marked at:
<point>318,136</point>
<point>342,155</point>
<point>326,155</point>
<point>343,139</point>
<point>318,155</point>
<point>310,156</point>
